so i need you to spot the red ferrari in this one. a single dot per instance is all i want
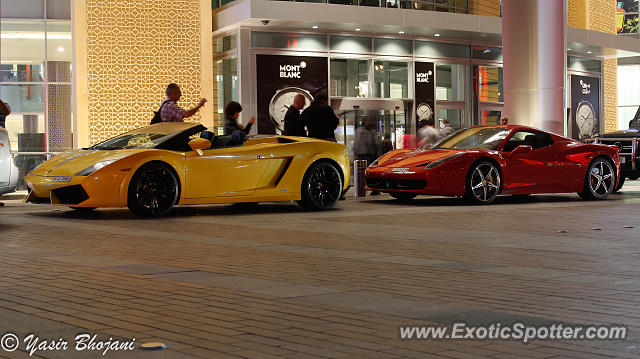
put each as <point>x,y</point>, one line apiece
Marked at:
<point>479,163</point>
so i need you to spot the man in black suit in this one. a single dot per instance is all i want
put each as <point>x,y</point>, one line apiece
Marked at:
<point>320,119</point>
<point>293,125</point>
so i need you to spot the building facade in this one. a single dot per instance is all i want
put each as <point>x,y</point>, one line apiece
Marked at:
<point>78,72</point>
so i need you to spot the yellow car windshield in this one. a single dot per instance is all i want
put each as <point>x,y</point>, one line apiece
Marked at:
<point>145,137</point>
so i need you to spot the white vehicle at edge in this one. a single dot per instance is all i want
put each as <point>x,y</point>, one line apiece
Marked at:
<point>8,169</point>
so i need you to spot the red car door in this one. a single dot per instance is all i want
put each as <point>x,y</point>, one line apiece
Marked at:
<point>537,171</point>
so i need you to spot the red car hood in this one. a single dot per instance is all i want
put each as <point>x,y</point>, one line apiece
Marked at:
<point>404,158</point>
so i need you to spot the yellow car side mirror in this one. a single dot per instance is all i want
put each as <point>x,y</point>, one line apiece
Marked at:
<point>199,144</point>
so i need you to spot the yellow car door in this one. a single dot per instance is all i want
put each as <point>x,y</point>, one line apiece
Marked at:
<point>226,171</point>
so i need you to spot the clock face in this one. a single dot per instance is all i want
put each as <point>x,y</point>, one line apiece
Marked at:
<point>424,111</point>
<point>280,103</point>
<point>586,119</point>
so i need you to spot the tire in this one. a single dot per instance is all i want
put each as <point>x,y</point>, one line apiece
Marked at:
<point>483,183</point>
<point>153,190</point>
<point>83,209</point>
<point>598,186</point>
<point>321,187</point>
<point>619,186</point>
<point>403,196</point>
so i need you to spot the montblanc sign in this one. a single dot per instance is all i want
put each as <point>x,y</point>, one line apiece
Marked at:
<point>423,76</point>
<point>292,71</point>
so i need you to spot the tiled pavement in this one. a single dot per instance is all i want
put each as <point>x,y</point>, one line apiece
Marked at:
<point>275,281</point>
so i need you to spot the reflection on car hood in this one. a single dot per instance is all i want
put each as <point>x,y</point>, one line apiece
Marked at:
<point>72,162</point>
<point>415,158</point>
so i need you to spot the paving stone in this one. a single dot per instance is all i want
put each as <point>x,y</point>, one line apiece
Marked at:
<point>277,281</point>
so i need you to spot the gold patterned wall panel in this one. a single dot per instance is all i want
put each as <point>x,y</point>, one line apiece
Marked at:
<point>610,67</point>
<point>484,7</point>
<point>134,48</point>
<point>577,13</point>
<point>602,17</point>
<point>59,108</point>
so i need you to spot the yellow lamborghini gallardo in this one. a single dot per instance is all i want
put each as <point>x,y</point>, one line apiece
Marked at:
<point>154,168</point>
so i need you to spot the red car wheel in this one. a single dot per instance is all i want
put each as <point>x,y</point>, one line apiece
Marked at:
<point>483,183</point>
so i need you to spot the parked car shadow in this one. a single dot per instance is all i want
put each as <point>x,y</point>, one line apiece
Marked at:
<point>180,211</point>
<point>501,200</point>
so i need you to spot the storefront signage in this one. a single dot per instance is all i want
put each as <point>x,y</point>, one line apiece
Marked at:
<point>292,71</point>
<point>425,91</point>
<point>585,106</point>
<point>279,79</point>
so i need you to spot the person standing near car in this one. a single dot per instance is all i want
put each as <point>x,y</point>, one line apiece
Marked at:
<point>293,125</point>
<point>232,128</point>
<point>5,110</point>
<point>428,134</point>
<point>447,129</point>
<point>365,146</point>
<point>320,120</point>
<point>170,111</point>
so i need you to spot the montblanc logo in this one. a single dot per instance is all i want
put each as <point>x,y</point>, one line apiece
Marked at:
<point>292,71</point>
<point>423,76</point>
<point>586,88</point>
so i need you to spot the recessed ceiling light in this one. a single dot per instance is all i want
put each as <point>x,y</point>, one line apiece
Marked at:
<point>436,35</point>
<point>588,52</point>
<point>314,26</point>
<point>569,49</point>
<point>400,32</point>
<point>358,29</point>
<point>60,48</point>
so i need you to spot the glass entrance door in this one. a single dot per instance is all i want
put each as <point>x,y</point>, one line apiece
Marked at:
<point>375,130</point>
<point>453,113</point>
<point>490,114</point>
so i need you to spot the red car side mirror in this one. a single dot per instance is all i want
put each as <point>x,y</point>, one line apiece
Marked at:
<point>522,149</point>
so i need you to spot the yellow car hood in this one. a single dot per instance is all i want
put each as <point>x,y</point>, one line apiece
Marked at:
<point>72,162</point>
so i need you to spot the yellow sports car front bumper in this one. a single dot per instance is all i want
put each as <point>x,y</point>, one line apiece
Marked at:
<point>107,190</point>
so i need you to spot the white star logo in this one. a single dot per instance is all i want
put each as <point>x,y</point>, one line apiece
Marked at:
<point>303,64</point>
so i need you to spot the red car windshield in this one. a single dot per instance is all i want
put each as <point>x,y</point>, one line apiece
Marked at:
<point>486,138</point>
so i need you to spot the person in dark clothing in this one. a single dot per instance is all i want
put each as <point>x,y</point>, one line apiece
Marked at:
<point>5,110</point>
<point>320,119</point>
<point>237,132</point>
<point>293,125</point>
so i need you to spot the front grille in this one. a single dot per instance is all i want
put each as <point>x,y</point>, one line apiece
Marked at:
<point>625,147</point>
<point>71,194</point>
<point>392,183</point>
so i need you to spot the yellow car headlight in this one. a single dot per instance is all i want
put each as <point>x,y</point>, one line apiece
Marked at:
<point>94,167</point>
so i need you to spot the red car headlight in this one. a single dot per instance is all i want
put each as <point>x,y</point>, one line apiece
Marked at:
<point>442,160</point>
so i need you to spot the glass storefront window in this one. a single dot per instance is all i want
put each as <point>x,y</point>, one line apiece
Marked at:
<point>226,43</point>
<point>392,46</point>
<point>391,79</point>
<point>457,6</point>
<point>21,9</point>
<point>490,84</point>
<point>35,76</point>
<point>289,40</point>
<point>440,49</point>
<point>349,78</point>
<point>226,75</point>
<point>583,64</point>
<point>628,94</point>
<point>450,80</point>
<point>487,53</point>
<point>352,44</point>
<point>627,16</point>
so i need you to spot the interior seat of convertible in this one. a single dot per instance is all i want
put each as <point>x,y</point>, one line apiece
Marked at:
<point>217,141</point>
